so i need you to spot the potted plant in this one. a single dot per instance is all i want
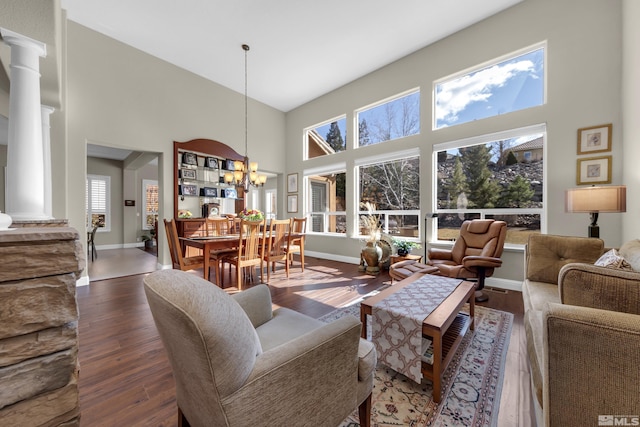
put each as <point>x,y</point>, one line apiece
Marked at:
<point>405,246</point>
<point>148,240</point>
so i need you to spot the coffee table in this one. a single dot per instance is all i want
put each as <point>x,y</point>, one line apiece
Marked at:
<point>446,326</point>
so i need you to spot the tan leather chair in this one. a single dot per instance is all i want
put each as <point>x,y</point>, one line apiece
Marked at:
<point>476,253</point>
<point>238,362</point>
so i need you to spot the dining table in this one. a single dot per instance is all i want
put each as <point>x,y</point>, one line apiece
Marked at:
<point>209,243</point>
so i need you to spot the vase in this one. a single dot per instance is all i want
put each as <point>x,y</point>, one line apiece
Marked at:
<point>371,255</point>
<point>403,252</point>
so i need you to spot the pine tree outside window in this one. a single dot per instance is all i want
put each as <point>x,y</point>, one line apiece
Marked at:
<point>326,138</point>
<point>480,177</point>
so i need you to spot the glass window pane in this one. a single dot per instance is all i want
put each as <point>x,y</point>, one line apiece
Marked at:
<point>511,85</point>
<point>325,139</point>
<point>327,202</point>
<point>519,226</point>
<point>394,119</point>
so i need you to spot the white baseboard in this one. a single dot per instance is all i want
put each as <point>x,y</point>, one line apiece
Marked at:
<point>82,281</point>
<point>333,257</point>
<point>121,246</point>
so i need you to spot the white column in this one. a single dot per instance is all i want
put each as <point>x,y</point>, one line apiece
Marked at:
<point>46,155</point>
<point>24,198</point>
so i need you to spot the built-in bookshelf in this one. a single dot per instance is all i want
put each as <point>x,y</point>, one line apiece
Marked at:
<point>199,169</point>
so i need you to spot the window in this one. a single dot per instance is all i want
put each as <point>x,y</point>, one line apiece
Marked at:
<point>326,138</point>
<point>327,198</point>
<point>481,178</point>
<point>499,88</point>
<point>392,183</point>
<point>149,203</point>
<point>271,204</point>
<point>98,202</point>
<point>391,119</point>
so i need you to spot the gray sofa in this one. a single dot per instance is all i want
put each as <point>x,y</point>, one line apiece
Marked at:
<point>582,327</point>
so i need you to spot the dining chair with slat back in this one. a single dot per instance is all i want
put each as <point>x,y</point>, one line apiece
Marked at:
<point>219,226</point>
<point>179,261</point>
<point>277,245</point>
<point>249,253</point>
<point>296,244</point>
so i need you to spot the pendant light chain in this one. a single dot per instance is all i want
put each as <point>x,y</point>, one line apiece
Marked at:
<point>246,109</point>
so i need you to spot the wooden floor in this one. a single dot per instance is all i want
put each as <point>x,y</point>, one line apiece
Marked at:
<point>125,377</point>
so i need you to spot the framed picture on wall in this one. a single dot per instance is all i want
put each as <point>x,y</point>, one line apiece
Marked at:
<point>211,163</point>
<point>188,190</point>
<point>595,139</point>
<point>292,203</point>
<point>292,183</point>
<point>594,170</point>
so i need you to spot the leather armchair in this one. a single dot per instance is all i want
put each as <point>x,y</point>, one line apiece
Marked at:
<point>475,254</point>
<point>237,362</point>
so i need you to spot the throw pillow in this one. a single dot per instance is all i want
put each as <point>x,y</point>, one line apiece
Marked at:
<point>630,251</point>
<point>612,259</point>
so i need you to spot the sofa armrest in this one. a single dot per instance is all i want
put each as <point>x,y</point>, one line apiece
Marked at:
<point>256,302</point>
<point>590,365</point>
<point>593,286</point>
<point>320,366</point>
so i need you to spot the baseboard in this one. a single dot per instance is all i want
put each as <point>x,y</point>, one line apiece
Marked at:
<point>121,246</point>
<point>82,281</point>
<point>496,282</point>
<point>333,257</point>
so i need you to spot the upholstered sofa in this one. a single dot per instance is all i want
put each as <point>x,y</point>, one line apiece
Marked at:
<point>582,324</point>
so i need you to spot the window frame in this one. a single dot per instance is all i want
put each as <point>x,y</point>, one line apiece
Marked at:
<point>145,184</point>
<point>384,158</point>
<point>307,175</point>
<point>485,139</point>
<point>390,99</point>
<point>88,202</point>
<point>487,64</point>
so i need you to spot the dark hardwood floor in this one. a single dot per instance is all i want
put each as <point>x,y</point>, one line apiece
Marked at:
<point>125,377</point>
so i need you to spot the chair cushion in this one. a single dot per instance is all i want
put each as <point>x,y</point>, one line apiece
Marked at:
<point>403,269</point>
<point>284,326</point>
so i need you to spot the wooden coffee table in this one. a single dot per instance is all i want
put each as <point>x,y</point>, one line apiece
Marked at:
<point>446,326</point>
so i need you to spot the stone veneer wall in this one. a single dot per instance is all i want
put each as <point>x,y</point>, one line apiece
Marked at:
<point>39,266</point>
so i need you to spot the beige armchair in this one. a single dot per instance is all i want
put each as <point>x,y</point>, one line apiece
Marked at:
<point>238,363</point>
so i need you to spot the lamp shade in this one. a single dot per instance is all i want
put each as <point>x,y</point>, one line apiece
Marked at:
<point>611,198</point>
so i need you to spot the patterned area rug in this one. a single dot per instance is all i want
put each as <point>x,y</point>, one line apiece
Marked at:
<point>472,383</point>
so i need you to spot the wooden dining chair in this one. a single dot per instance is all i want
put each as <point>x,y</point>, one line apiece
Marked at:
<point>91,243</point>
<point>296,244</point>
<point>249,253</point>
<point>219,226</point>
<point>277,245</point>
<point>179,261</point>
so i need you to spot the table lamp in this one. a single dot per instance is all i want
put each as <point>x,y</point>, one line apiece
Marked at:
<point>594,200</point>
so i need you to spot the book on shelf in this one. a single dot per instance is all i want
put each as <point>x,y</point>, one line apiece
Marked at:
<point>427,351</point>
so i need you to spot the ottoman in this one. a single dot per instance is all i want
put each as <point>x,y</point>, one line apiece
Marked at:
<point>403,269</point>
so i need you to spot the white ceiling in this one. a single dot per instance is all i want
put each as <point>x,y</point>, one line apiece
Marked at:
<point>299,49</point>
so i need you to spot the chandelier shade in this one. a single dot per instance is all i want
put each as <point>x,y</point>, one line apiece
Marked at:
<point>245,173</point>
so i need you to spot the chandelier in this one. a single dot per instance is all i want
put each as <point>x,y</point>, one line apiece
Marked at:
<point>245,172</point>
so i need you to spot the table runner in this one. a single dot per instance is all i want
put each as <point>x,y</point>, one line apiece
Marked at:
<point>397,322</point>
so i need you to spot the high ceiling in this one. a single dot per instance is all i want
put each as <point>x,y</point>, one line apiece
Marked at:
<point>299,49</point>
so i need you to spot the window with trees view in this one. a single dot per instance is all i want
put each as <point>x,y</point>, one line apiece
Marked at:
<point>98,201</point>
<point>492,177</point>
<point>327,138</point>
<point>391,119</point>
<point>393,187</point>
<point>499,88</point>
<point>327,198</point>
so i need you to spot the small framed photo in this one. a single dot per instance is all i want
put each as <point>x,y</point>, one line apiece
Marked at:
<point>209,192</point>
<point>190,159</point>
<point>229,165</point>
<point>292,203</point>
<point>230,193</point>
<point>188,190</point>
<point>188,173</point>
<point>594,170</point>
<point>292,183</point>
<point>596,139</point>
<point>211,163</point>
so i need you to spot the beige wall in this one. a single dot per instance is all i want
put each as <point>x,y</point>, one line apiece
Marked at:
<point>583,89</point>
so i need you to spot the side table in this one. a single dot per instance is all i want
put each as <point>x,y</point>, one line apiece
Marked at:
<point>411,257</point>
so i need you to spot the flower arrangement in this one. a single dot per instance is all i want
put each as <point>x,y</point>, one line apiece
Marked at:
<point>371,222</point>
<point>251,215</point>
<point>184,214</point>
<point>405,246</point>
